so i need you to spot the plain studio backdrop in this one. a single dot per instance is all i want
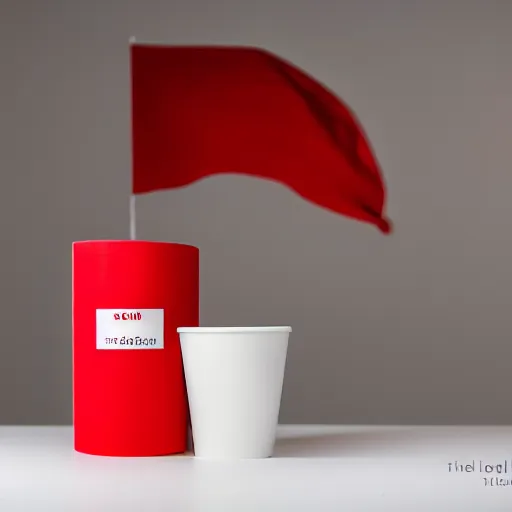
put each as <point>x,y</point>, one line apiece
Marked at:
<point>413,328</point>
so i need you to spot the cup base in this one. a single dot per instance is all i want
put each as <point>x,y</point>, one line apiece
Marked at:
<point>223,456</point>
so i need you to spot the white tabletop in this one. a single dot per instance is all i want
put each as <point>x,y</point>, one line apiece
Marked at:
<point>315,468</point>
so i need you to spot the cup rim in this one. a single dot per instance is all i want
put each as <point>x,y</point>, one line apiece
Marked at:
<point>108,241</point>
<point>207,330</point>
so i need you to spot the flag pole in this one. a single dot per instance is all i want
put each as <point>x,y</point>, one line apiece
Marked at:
<point>133,230</point>
<point>133,224</point>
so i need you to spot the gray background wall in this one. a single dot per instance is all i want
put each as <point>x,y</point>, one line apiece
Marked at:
<point>414,328</point>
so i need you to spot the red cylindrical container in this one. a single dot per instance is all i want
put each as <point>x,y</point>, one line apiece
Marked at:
<point>129,297</point>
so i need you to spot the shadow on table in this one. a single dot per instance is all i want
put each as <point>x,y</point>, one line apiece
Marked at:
<point>348,444</point>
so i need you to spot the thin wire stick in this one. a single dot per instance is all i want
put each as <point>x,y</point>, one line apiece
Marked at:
<point>133,230</point>
<point>133,218</point>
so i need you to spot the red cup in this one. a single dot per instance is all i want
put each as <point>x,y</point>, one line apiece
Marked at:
<point>129,298</point>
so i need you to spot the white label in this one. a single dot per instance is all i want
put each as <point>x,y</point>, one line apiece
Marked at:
<point>129,329</point>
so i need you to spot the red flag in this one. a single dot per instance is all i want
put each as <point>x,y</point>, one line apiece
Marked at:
<point>201,111</point>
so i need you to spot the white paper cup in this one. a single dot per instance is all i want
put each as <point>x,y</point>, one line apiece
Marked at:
<point>234,379</point>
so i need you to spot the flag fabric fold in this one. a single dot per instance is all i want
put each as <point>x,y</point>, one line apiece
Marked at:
<point>201,111</point>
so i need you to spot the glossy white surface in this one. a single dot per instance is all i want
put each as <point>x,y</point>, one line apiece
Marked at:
<point>315,468</point>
